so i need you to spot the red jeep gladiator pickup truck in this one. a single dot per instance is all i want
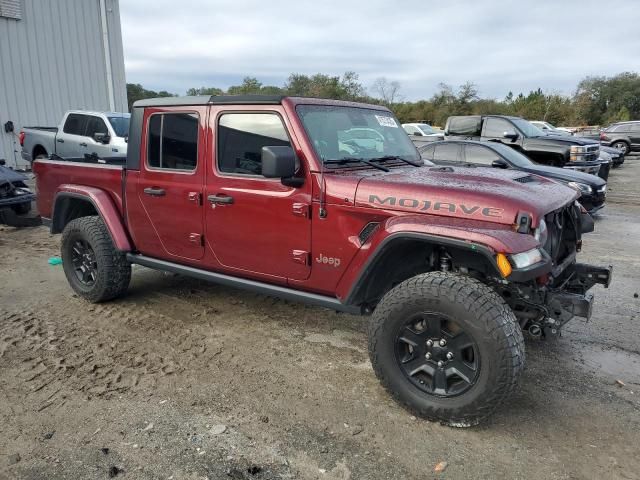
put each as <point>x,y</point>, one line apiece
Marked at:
<point>328,202</point>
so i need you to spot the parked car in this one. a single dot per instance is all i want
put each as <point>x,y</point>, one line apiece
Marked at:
<point>255,192</point>
<point>423,132</point>
<point>468,153</point>
<point>555,151</point>
<point>546,127</point>
<point>623,136</point>
<point>79,133</point>
<point>15,199</point>
<point>617,156</point>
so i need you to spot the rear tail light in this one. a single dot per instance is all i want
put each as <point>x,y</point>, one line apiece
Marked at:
<point>603,136</point>
<point>21,138</point>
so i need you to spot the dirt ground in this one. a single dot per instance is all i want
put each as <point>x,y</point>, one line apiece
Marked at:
<point>187,380</point>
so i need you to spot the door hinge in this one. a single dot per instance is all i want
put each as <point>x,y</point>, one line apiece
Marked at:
<point>300,256</point>
<point>196,238</point>
<point>302,210</point>
<point>195,197</point>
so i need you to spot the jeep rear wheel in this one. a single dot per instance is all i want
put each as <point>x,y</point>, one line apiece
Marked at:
<point>447,347</point>
<point>92,265</point>
<point>621,146</point>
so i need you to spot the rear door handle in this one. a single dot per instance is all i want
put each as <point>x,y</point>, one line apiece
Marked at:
<point>83,144</point>
<point>154,191</point>
<point>223,199</point>
<point>60,140</point>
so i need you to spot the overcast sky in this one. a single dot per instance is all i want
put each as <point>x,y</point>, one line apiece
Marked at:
<point>498,45</point>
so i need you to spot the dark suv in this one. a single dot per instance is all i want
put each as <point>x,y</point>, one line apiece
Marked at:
<point>467,153</point>
<point>624,136</point>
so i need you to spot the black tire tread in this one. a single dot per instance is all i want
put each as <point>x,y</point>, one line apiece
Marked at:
<point>490,308</point>
<point>114,273</point>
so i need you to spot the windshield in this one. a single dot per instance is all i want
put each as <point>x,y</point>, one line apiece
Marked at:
<point>428,129</point>
<point>515,157</point>
<point>527,129</point>
<point>120,125</point>
<point>350,132</point>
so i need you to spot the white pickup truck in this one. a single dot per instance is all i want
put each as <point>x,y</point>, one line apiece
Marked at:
<point>80,133</point>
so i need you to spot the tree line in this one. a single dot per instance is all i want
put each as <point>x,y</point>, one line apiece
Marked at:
<point>597,100</point>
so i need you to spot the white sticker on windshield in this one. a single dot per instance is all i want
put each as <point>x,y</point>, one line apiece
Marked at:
<point>386,121</point>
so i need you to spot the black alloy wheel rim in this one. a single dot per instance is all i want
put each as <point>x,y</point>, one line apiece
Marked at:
<point>436,355</point>
<point>84,262</point>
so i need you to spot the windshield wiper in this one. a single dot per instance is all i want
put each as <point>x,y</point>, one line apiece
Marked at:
<point>345,160</point>
<point>395,157</point>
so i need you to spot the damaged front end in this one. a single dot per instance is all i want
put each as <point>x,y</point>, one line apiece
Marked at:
<point>559,290</point>
<point>15,199</point>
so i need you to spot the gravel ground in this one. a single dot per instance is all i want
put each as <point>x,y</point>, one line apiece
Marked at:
<point>187,380</point>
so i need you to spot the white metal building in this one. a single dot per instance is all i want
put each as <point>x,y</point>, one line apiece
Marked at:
<point>57,55</point>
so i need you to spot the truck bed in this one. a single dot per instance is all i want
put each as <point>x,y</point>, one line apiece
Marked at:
<point>51,174</point>
<point>47,129</point>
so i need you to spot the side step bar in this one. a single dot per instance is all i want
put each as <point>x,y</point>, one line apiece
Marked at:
<point>252,285</point>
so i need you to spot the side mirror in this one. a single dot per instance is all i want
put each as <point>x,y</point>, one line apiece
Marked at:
<point>278,162</point>
<point>510,135</point>
<point>2,162</point>
<point>499,164</point>
<point>101,137</point>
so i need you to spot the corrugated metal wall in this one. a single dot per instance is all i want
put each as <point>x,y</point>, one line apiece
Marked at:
<point>53,60</point>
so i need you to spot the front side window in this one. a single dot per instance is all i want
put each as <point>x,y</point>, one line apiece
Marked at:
<point>75,124</point>
<point>95,125</point>
<point>241,137</point>
<point>339,133</point>
<point>480,155</point>
<point>173,141</point>
<point>496,128</point>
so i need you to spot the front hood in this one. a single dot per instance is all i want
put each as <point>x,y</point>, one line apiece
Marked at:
<point>483,194</point>
<point>566,175</point>
<point>8,175</point>
<point>559,140</point>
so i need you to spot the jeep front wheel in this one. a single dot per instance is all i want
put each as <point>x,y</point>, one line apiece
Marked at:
<point>94,268</point>
<point>447,347</point>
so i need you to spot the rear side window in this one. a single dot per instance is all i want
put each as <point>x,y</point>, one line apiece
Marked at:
<point>172,142</point>
<point>75,124</point>
<point>446,152</point>
<point>96,125</point>
<point>464,126</point>
<point>241,137</point>
<point>634,127</point>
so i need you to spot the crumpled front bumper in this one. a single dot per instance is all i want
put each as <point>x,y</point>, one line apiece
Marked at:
<point>572,297</point>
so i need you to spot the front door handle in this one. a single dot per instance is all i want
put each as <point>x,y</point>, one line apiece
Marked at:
<point>220,199</point>
<point>60,140</point>
<point>154,191</point>
<point>83,144</point>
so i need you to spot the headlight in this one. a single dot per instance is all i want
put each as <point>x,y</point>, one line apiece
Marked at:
<point>542,234</point>
<point>576,152</point>
<point>526,259</point>
<point>580,187</point>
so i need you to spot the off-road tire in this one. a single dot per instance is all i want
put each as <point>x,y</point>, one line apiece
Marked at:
<point>113,270</point>
<point>482,313</point>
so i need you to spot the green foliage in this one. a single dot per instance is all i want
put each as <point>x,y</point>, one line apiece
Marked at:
<point>597,100</point>
<point>135,91</point>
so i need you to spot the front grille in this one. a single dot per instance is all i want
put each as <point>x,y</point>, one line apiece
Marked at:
<point>525,179</point>
<point>593,152</point>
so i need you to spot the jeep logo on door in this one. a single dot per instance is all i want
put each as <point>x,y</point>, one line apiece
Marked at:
<point>428,205</point>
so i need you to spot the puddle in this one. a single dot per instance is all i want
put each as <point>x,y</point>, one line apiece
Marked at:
<point>616,363</point>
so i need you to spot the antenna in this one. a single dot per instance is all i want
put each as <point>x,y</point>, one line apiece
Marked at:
<point>323,211</point>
